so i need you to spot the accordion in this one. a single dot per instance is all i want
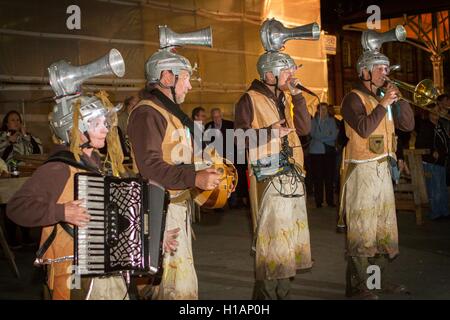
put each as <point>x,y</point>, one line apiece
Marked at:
<point>126,229</point>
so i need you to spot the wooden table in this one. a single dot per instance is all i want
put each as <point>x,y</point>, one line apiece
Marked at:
<point>9,186</point>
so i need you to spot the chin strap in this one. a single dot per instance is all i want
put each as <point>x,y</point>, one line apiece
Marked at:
<point>272,85</point>
<point>370,80</point>
<point>172,88</point>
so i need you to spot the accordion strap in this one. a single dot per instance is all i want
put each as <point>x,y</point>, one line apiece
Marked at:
<point>67,157</point>
<point>67,228</point>
<point>48,242</point>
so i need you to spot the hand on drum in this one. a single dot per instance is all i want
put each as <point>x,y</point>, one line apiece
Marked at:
<point>207,179</point>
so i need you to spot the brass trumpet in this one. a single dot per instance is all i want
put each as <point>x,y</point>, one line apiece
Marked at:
<point>423,94</point>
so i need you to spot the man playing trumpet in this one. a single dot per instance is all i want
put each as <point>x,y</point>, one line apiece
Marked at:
<point>367,196</point>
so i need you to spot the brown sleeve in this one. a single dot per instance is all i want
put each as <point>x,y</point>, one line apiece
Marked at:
<point>354,113</point>
<point>302,118</point>
<point>404,116</point>
<point>35,204</point>
<point>146,131</point>
<point>243,114</point>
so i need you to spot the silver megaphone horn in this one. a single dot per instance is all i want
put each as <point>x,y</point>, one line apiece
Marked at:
<point>169,38</point>
<point>66,79</point>
<point>372,40</point>
<point>273,34</point>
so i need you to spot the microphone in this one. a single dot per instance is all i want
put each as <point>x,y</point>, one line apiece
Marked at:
<point>299,86</point>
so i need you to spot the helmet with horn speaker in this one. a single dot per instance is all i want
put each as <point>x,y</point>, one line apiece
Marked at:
<point>166,59</point>
<point>372,41</point>
<point>66,81</point>
<point>273,37</point>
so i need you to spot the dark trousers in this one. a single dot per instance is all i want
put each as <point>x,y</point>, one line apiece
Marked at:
<point>308,178</point>
<point>276,289</point>
<point>323,167</point>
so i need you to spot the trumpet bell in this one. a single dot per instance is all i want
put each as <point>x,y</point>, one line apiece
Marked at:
<point>425,93</point>
<point>422,94</point>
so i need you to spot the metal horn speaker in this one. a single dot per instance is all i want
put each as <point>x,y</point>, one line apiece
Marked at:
<point>372,40</point>
<point>273,34</point>
<point>66,79</point>
<point>169,38</point>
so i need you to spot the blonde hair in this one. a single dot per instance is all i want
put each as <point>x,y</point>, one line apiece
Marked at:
<point>114,155</point>
<point>75,138</point>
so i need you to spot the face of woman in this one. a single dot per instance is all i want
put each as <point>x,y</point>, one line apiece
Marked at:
<point>14,122</point>
<point>98,129</point>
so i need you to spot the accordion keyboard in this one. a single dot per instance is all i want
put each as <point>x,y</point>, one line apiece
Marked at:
<point>91,238</point>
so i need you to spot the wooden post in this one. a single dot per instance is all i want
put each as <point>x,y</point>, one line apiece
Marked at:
<point>432,40</point>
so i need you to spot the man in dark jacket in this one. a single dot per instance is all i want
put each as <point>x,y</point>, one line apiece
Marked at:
<point>431,135</point>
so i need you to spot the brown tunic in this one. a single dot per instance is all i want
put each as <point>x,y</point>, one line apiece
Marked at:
<point>244,111</point>
<point>34,205</point>
<point>146,130</point>
<point>354,113</point>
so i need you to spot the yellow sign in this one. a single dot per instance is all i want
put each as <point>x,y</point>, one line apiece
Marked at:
<point>330,44</point>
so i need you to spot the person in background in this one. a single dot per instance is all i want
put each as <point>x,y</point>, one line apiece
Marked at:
<point>16,141</point>
<point>199,114</point>
<point>443,103</point>
<point>305,141</point>
<point>432,136</point>
<point>222,125</point>
<point>341,141</point>
<point>322,151</point>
